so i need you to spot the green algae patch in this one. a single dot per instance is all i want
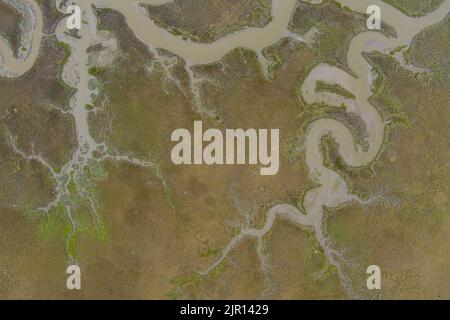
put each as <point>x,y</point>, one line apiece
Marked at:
<point>415,8</point>
<point>96,71</point>
<point>430,50</point>
<point>402,226</point>
<point>96,170</point>
<point>206,21</point>
<point>336,27</point>
<point>322,86</point>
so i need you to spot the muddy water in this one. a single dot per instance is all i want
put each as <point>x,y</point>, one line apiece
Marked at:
<point>331,184</point>
<point>332,189</point>
<point>76,74</point>
<point>252,38</point>
<point>31,25</point>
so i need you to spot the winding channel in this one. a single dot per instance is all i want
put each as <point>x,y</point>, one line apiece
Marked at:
<point>331,190</point>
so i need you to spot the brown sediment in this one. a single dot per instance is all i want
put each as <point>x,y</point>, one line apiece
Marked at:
<point>336,25</point>
<point>34,133</point>
<point>32,108</point>
<point>210,202</point>
<point>209,20</point>
<point>408,185</point>
<point>299,267</point>
<point>161,217</point>
<point>10,26</point>
<point>239,276</point>
<point>38,138</point>
<point>50,15</point>
<point>240,96</point>
<point>138,97</point>
<point>29,268</point>
<point>433,58</point>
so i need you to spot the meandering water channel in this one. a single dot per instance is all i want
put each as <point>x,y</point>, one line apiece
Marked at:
<point>331,190</point>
